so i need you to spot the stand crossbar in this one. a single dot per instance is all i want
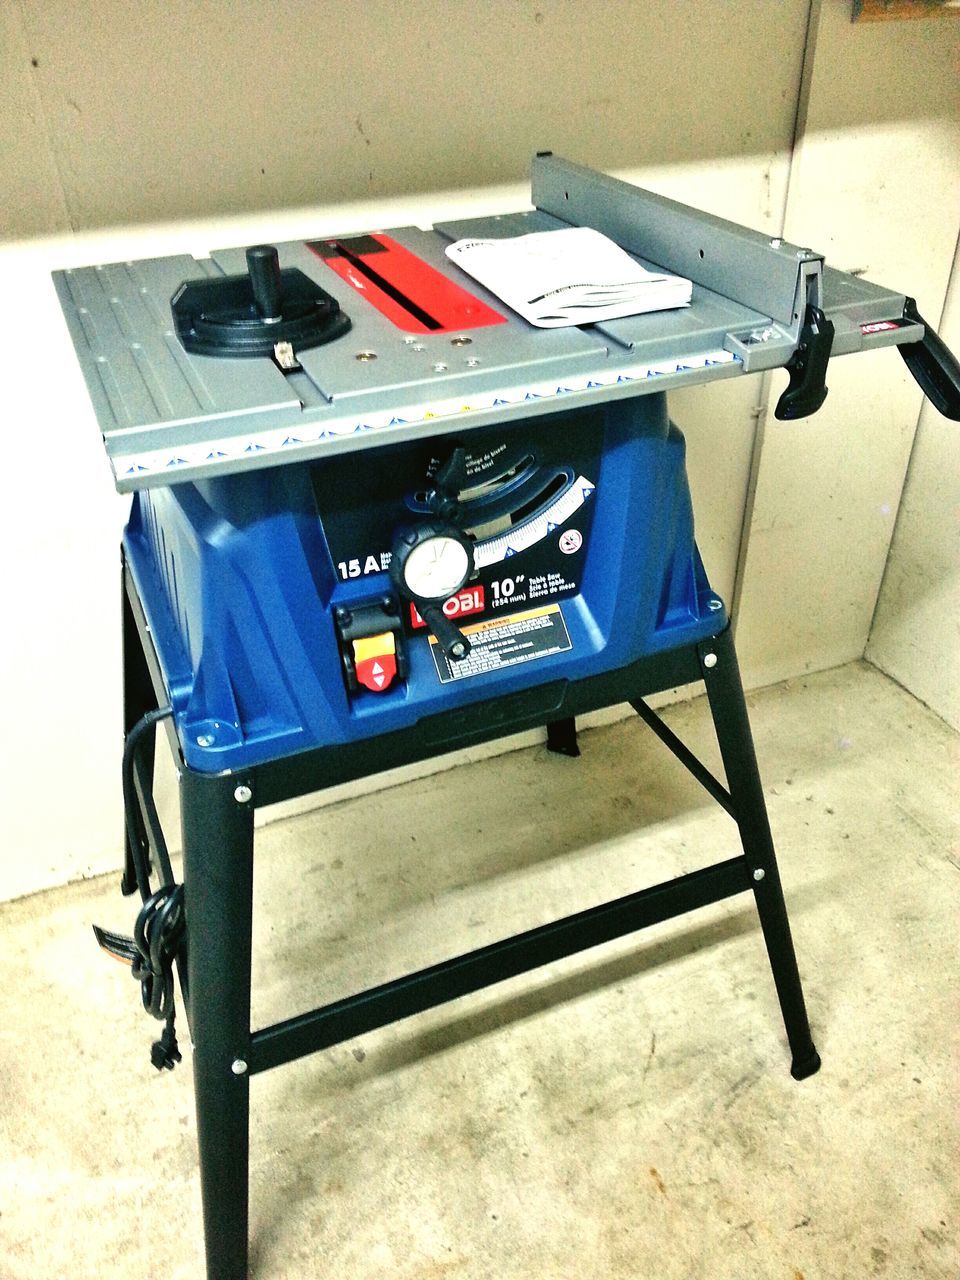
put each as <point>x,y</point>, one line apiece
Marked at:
<point>355,1015</point>
<point>685,756</point>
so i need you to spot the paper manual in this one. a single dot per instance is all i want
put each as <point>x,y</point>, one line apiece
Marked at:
<point>571,276</point>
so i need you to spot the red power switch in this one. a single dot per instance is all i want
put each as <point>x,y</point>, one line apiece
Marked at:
<point>375,659</point>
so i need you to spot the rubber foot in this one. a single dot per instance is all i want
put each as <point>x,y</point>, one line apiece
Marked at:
<point>809,1066</point>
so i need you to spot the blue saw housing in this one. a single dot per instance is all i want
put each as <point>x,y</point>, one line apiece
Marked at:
<point>239,587</point>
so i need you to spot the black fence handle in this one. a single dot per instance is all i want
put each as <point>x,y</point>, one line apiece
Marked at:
<point>933,365</point>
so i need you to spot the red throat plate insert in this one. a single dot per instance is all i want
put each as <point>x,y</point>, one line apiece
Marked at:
<point>411,293</point>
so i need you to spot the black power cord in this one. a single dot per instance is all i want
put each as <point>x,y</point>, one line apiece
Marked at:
<point>157,935</point>
<point>136,831</point>
<point>152,950</point>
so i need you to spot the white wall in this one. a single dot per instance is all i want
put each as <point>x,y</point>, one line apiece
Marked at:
<point>875,185</point>
<point>916,631</point>
<point>137,114</point>
<point>171,109</point>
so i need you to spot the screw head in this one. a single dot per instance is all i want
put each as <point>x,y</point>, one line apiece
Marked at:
<point>714,605</point>
<point>242,794</point>
<point>365,355</point>
<point>205,740</point>
<point>709,660</point>
<point>759,873</point>
<point>238,1067</point>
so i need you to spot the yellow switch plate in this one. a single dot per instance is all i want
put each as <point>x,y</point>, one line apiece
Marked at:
<point>374,646</point>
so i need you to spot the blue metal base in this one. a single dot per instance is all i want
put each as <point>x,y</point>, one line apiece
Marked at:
<point>239,585</point>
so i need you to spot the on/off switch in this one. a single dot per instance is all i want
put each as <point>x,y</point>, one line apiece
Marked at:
<point>375,660</point>
<point>370,637</point>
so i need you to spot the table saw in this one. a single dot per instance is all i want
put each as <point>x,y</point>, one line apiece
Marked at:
<point>376,516</point>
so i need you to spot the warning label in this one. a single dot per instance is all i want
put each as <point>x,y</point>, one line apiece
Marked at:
<point>503,642</point>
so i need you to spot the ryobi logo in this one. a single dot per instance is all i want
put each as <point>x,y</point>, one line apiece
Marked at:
<point>465,602</point>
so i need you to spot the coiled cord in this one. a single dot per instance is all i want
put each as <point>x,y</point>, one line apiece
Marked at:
<point>152,951</point>
<point>156,937</point>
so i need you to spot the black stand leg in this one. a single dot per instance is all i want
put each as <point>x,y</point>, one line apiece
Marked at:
<point>721,675</point>
<point>138,699</point>
<point>217,817</point>
<point>562,737</point>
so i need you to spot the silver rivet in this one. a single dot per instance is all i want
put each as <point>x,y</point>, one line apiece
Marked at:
<point>365,355</point>
<point>242,794</point>
<point>759,873</point>
<point>238,1067</point>
<point>709,659</point>
<point>715,605</point>
<point>205,740</point>
<point>460,342</point>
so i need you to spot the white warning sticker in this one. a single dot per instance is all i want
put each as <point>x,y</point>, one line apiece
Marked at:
<point>503,642</point>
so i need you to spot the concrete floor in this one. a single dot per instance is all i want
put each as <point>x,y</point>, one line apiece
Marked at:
<point>628,1113</point>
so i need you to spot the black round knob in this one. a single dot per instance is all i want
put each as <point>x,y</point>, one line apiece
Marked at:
<point>430,563</point>
<point>263,264</point>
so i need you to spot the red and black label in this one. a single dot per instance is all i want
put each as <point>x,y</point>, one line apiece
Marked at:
<point>883,326</point>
